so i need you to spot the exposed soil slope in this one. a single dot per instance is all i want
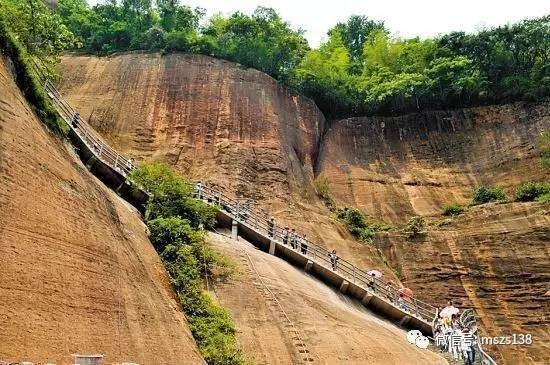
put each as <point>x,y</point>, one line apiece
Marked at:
<point>335,329</point>
<point>237,128</point>
<point>77,272</point>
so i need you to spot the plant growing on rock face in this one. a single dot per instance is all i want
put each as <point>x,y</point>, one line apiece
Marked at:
<point>532,190</point>
<point>175,218</point>
<point>453,209</point>
<point>545,148</point>
<point>171,195</point>
<point>354,220</point>
<point>488,194</point>
<point>322,187</point>
<point>415,226</point>
<point>544,198</point>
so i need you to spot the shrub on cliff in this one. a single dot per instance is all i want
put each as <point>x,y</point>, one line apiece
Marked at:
<point>322,187</point>
<point>355,222</point>
<point>530,191</point>
<point>171,195</point>
<point>174,221</point>
<point>453,209</point>
<point>544,198</point>
<point>487,194</point>
<point>415,226</point>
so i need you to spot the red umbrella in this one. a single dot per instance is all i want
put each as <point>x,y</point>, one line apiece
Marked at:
<point>406,292</point>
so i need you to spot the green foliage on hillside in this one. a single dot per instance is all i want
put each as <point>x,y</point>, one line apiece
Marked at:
<point>532,190</point>
<point>487,194</point>
<point>453,209</point>
<point>171,195</point>
<point>415,226</point>
<point>356,223</point>
<point>174,226</point>
<point>360,69</point>
<point>31,34</point>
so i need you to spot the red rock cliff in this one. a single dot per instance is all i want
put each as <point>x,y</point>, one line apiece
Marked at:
<point>239,129</point>
<point>77,272</point>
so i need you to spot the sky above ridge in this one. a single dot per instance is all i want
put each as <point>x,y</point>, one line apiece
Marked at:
<point>405,18</point>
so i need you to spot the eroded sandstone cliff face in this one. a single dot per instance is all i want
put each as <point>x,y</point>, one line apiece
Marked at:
<point>397,167</point>
<point>495,259</point>
<point>77,272</point>
<point>237,128</point>
<point>213,120</point>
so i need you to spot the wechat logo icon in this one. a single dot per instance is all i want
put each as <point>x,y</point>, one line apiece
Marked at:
<point>416,337</point>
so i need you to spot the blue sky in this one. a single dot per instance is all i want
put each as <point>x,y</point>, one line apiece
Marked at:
<point>406,18</point>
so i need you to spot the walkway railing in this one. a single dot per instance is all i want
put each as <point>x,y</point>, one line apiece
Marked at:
<point>85,132</point>
<point>254,219</point>
<point>261,223</point>
<point>468,320</point>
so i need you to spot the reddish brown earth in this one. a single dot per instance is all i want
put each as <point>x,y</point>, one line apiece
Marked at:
<point>397,167</point>
<point>238,129</point>
<point>77,272</point>
<point>333,328</point>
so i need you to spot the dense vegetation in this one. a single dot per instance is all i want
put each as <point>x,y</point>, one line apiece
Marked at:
<point>26,38</point>
<point>533,190</point>
<point>360,69</point>
<point>488,194</point>
<point>176,222</point>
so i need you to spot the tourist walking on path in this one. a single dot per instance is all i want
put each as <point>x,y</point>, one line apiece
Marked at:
<point>304,245</point>
<point>333,260</point>
<point>271,227</point>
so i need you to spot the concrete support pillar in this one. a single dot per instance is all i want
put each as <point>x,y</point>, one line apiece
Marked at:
<point>117,191</point>
<point>367,298</point>
<point>90,163</point>
<point>404,320</point>
<point>309,264</point>
<point>234,229</point>
<point>344,286</point>
<point>272,246</point>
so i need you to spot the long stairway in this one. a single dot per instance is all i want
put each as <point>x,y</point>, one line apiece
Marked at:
<point>113,169</point>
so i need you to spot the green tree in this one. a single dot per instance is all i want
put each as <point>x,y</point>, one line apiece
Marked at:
<point>40,31</point>
<point>354,33</point>
<point>171,195</point>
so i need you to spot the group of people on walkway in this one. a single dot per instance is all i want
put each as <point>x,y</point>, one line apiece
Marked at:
<point>300,243</point>
<point>289,237</point>
<point>453,337</point>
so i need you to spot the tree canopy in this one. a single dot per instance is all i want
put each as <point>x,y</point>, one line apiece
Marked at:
<point>360,69</point>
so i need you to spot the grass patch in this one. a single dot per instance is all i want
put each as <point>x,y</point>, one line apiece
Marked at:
<point>175,225</point>
<point>453,209</point>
